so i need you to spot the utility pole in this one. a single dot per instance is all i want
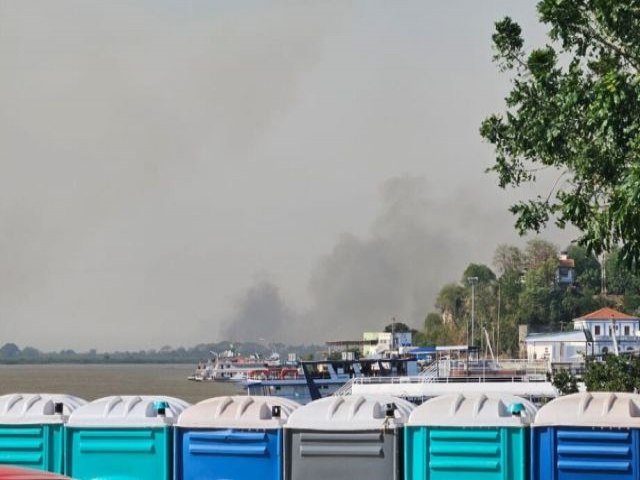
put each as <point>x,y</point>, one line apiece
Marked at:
<point>498,342</point>
<point>473,281</point>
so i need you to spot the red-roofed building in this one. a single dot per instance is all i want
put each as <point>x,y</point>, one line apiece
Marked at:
<point>602,324</point>
<point>592,333</point>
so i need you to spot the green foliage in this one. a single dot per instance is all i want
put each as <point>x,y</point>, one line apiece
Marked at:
<point>435,332</point>
<point>564,382</point>
<point>573,110</point>
<point>613,374</point>
<point>398,327</point>
<point>526,292</point>
<point>620,279</point>
<point>483,273</point>
<point>452,302</point>
<point>587,267</point>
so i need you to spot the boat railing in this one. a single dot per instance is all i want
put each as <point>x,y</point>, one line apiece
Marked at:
<point>345,389</point>
<point>452,371</point>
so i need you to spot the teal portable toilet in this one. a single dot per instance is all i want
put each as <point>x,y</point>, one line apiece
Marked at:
<point>123,438</point>
<point>232,438</point>
<point>469,437</point>
<point>31,429</point>
<point>349,437</point>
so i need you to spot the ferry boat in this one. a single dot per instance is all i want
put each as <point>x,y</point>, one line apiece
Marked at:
<point>315,379</point>
<point>449,370</point>
<point>231,367</point>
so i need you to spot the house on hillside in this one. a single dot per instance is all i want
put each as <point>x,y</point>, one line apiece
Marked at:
<point>566,270</point>
<point>592,333</point>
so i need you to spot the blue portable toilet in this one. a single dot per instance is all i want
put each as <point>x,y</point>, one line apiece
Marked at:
<point>471,436</point>
<point>128,437</point>
<point>587,436</point>
<point>232,438</point>
<point>31,429</point>
<point>349,437</point>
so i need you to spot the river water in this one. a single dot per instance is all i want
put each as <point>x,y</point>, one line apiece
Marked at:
<point>95,381</point>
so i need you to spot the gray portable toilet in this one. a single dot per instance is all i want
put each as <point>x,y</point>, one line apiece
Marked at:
<point>31,429</point>
<point>346,438</point>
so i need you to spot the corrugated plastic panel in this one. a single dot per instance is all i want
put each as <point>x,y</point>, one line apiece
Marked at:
<point>237,412</point>
<point>372,454</point>
<point>142,453</point>
<point>354,412</point>
<point>584,453</point>
<point>474,453</point>
<point>228,454</point>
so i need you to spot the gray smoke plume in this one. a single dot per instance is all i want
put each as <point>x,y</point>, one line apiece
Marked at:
<point>260,315</point>
<point>417,243</point>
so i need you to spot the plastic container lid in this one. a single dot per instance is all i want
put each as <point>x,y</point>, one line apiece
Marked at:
<point>351,413</point>
<point>474,410</point>
<point>595,409</point>
<point>128,411</point>
<point>238,412</point>
<point>37,408</point>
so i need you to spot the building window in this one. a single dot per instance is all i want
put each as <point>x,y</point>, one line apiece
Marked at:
<point>605,350</point>
<point>610,331</point>
<point>627,330</point>
<point>596,330</point>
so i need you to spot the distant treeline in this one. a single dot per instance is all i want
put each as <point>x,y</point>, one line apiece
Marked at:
<point>10,353</point>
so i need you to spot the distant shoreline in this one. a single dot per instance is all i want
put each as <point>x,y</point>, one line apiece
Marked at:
<point>101,362</point>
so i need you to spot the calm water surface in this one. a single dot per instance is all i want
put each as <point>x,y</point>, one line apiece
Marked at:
<point>95,381</point>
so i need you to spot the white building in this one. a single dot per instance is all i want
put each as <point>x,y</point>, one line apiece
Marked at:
<point>591,334</point>
<point>377,342</point>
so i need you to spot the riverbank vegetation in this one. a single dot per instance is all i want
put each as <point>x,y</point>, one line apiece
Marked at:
<point>522,287</point>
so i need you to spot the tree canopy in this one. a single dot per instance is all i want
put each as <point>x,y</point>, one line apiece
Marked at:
<point>573,109</point>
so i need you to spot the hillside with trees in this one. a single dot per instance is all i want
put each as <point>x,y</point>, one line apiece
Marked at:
<point>521,288</point>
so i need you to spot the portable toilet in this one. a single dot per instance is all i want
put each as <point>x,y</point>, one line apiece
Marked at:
<point>31,429</point>
<point>587,436</point>
<point>232,438</point>
<point>469,437</point>
<point>128,437</point>
<point>346,438</point>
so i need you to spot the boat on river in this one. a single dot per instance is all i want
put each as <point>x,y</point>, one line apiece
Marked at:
<point>231,367</point>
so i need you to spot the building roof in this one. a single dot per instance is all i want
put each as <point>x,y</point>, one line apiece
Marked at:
<point>567,262</point>
<point>606,314</point>
<point>568,336</point>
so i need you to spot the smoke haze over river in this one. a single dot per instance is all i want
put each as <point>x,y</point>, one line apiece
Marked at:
<point>178,172</point>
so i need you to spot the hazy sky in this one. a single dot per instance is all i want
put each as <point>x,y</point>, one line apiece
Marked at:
<point>179,172</point>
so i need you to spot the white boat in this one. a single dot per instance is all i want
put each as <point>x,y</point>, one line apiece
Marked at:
<point>230,367</point>
<point>401,377</point>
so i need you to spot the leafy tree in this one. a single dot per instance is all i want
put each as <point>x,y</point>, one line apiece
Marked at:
<point>483,273</point>
<point>613,374</point>
<point>588,271</point>
<point>620,279</point>
<point>437,333</point>
<point>573,110</point>
<point>452,302</point>
<point>398,327</point>
<point>538,252</point>
<point>508,259</point>
<point>9,351</point>
<point>564,382</point>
